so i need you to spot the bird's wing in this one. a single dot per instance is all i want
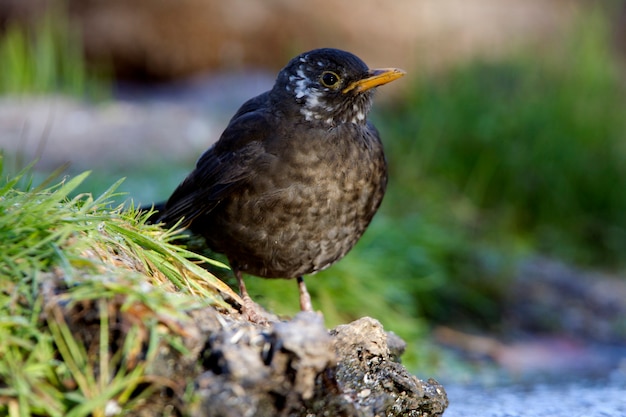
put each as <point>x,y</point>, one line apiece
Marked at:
<point>224,167</point>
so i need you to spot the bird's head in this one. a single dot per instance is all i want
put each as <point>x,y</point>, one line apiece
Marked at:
<point>331,86</point>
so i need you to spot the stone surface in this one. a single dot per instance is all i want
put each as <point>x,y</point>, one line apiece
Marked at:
<point>296,368</point>
<point>376,384</point>
<point>229,366</point>
<point>573,399</point>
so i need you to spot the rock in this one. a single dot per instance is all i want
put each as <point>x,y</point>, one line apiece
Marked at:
<point>203,362</point>
<point>296,368</point>
<point>378,385</point>
<point>258,371</point>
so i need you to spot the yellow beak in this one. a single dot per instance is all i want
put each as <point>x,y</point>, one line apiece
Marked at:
<point>375,77</point>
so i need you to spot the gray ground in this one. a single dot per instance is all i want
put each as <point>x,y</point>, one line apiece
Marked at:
<point>575,399</point>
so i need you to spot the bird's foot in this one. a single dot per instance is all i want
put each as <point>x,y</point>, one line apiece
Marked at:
<point>254,313</point>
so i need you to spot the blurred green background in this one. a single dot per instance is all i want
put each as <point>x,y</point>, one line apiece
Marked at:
<point>492,160</point>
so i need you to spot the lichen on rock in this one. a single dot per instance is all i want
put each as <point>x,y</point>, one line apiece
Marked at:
<point>298,368</point>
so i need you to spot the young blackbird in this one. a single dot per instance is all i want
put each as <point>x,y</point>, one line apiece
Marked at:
<point>297,175</point>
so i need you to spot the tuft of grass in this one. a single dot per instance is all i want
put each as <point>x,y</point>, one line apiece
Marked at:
<point>47,57</point>
<point>41,227</point>
<point>89,296</point>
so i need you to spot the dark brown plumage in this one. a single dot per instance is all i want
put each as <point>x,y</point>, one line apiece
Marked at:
<point>297,175</point>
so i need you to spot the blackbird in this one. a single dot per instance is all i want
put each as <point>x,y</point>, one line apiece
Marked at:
<point>296,177</point>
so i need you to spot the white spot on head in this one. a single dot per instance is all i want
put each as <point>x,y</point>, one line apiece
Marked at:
<point>300,81</point>
<point>312,99</point>
<point>310,96</point>
<point>314,108</point>
<point>310,105</point>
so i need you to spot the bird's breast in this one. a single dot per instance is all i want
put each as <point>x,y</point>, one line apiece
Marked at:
<point>306,208</point>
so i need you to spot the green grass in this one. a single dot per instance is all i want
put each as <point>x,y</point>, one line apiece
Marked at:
<point>47,57</point>
<point>89,296</point>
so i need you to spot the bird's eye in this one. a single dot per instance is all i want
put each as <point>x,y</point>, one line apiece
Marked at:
<point>329,79</point>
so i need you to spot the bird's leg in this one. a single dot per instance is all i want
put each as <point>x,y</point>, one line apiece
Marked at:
<point>243,292</point>
<point>250,310</point>
<point>305,298</point>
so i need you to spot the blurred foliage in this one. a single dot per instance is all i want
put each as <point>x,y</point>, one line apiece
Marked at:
<point>47,57</point>
<point>537,143</point>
